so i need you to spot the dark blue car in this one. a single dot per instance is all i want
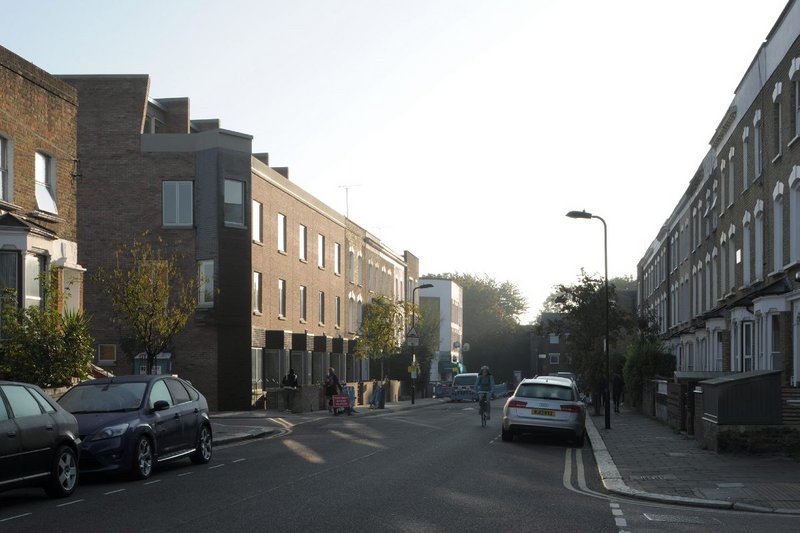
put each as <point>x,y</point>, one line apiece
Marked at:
<point>132,423</point>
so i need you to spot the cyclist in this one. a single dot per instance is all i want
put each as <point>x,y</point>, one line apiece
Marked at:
<point>485,386</point>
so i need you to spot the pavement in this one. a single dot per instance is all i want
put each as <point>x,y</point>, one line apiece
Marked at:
<point>639,457</point>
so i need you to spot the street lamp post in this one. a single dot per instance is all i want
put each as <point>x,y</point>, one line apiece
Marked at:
<point>413,324</point>
<point>607,393</point>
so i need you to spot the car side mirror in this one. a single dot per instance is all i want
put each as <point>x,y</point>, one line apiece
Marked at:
<point>160,405</point>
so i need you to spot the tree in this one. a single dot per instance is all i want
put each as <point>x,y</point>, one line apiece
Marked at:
<point>40,344</point>
<point>426,322</point>
<point>150,297</point>
<point>646,358</point>
<point>381,328</point>
<point>582,319</point>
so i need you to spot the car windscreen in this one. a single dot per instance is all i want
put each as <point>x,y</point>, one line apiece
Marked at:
<point>464,380</point>
<point>547,391</point>
<point>103,398</point>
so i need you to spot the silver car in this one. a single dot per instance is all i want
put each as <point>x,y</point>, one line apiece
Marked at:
<point>545,404</point>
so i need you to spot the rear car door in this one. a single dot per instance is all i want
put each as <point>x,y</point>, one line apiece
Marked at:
<point>166,423</point>
<point>188,411</point>
<point>10,445</point>
<point>36,429</point>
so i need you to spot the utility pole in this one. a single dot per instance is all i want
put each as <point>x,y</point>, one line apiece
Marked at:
<point>347,197</point>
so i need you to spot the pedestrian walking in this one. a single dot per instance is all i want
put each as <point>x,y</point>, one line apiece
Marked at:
<point>617,388</point>
<point>290,384</point>
<point>332,388</point>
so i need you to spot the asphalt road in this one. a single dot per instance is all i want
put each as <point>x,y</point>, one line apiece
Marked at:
<point>431,469</point>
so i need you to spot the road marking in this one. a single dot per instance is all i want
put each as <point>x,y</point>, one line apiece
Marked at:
<point>70,503</point>
<point>238,460</point>
<point>216,466</point>
<point>114,492</point>
<point>154,481</point>
<point>15,517</point>
<point>185,474</point>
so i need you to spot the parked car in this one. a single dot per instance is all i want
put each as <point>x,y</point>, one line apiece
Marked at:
<point>39,442</point>
<point>132,423</point>
<point>465,387</point>
<point>545,404</point>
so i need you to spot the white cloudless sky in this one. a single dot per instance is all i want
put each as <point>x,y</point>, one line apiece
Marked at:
<point>460,130</point>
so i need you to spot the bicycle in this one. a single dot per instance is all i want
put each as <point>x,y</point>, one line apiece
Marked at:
<point>483,407</point>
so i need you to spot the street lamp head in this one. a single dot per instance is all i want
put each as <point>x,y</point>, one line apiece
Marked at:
<point>579,214</point>
<point>425,286</point>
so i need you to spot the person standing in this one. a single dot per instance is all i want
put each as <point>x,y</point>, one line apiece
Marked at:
<point>290,385</point>
<point>332,388</point>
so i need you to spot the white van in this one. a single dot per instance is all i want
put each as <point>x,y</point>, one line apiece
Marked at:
<point>465,387</point>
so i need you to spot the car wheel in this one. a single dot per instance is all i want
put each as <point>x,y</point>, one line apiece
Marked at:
<point>142,458</point>
<point>64,473</point>
<point>506,435</point>
<point>202,453</point>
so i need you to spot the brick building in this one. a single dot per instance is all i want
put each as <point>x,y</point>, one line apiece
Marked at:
<point>282,275</point>
<point>38,175</point>
<point>722,273</point>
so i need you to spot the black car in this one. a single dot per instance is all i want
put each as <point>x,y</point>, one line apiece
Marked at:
<point>132,423</point>
<point>39,443</point>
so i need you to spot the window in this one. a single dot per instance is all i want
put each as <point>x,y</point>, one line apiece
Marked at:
<point>794,114</point>
<point>257,293</point>
<point>554,358</point>
<point>281,232</point>
<point>746,259</point>
<point>258,226</point>
<point>160,392</point>
<point>107,354</point>
<point>302,239</point>
<point>745,155</point>
<point>337,311</point>
<point>21,401</point>
<point>34,272</point>
<point>179,393</point>
<point>321,251</point>
<point>282,298</point>
<point>554,338</point>
<point>759,239</point>
<point>747,346</point>
<point>205,283</point>
<point>776,120</point>
<point>10,271</point>
<point>45,183</point>
<point>337,258</point>
<point>732,178</point>
<point>176,198</point>
<point>321,308</point>
<point>758,150</point>
<point>303,303</point>
<point>5,173</point>
<point>777,227</point>
<point>234,202</point>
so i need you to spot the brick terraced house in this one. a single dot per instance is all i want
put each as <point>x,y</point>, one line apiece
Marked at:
<point>723,274</point>
<point>39,172</point>
<point>283,277</point>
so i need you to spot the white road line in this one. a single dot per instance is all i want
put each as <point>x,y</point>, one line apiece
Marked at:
<point>621,522</point>
<point>185,474</point>
<point>216,466</point>
<point>154,481</point>
<point>238,460</point>
<point>114,492</point>
<point>15,517</point>
<point>70,503</point>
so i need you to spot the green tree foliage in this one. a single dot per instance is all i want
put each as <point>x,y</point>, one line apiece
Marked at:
<point>426,322</point>
<point>582,308</point>
<point>491,324</point>
<point>41,345</point>
<point>646,358</point>
<point>381,329</point>
<point>150,297</point>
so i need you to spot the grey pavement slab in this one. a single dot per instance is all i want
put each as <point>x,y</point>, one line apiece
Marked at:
<point>644,458</point>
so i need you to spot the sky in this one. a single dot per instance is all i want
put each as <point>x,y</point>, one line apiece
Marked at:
<point>462,131</point>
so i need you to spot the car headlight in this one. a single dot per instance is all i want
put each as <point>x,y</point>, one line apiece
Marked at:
<point>109,432</point>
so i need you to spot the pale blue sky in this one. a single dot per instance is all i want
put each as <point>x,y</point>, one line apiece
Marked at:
<point>467,128</point>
